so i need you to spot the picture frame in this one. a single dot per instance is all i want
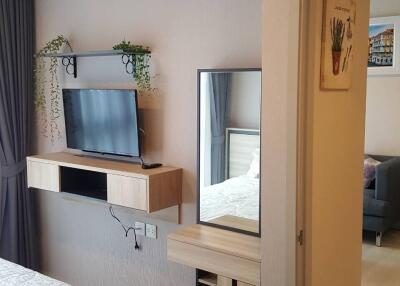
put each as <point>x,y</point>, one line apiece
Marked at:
<point>384,46</point>
<point>339,28</point>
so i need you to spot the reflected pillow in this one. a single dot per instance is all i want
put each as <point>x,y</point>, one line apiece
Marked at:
<point>254,171</point>
<point>369,170</point>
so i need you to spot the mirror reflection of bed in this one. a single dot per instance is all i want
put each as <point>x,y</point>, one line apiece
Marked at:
<point>229,148</point>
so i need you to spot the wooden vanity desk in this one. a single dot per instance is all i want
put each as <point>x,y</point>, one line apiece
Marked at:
<point>228,255</point>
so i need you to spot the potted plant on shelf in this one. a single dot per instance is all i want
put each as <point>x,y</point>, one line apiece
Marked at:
<point>337,33</point>
<point>136,59</point>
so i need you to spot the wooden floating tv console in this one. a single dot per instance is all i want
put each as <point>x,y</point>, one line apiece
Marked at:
<point>119,183</point>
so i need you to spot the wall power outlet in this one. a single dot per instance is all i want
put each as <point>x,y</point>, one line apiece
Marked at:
<point>151,231</point>
<point>140,228</point>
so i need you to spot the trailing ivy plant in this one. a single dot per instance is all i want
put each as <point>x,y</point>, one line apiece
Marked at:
<point>49,119</point>
<point>142,57</point>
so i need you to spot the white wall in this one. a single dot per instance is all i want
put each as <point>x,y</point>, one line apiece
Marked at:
<point>383,99</point>
<point>245,100</point>
<point>80,243</point>
<point>384,8</point>
<point>205,132</point>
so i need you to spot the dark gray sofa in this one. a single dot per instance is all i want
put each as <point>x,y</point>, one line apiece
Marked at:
<point>381,210</point>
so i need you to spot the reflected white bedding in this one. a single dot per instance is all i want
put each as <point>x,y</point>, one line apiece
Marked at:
<point>15,275</point>
<point>238,196</point>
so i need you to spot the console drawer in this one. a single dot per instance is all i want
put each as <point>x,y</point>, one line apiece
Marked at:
<point>43,176</point>
<point>127,191</point>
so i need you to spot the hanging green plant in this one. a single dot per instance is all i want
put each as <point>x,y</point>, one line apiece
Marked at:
<point>138,56</point>
<point>49,119</point>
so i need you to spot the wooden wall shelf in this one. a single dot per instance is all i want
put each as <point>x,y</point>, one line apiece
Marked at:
<point>120,183</point>
<point>230,255</point>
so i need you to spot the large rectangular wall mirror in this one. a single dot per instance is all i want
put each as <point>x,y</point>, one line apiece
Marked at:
<point>229,149</point>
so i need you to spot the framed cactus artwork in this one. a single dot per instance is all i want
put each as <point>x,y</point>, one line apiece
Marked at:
<point>339,27</point>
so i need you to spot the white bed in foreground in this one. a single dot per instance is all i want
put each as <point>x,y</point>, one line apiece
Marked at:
<point>15,275</point>
<point>238,196</point>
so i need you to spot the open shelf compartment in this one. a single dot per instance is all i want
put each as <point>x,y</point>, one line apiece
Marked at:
<point>206,278</point>
<point>84,183</point>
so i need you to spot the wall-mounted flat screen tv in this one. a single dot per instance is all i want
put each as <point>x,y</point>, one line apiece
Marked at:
<point>102,121</point>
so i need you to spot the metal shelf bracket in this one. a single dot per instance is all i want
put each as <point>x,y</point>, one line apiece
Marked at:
<point>129,60</point>
<point>70,64</point>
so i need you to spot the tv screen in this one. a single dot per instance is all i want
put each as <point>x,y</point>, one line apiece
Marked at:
<point>102,120</point>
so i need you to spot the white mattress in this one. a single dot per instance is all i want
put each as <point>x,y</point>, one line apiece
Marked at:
<point>15,275</point>
<point>238,196</point>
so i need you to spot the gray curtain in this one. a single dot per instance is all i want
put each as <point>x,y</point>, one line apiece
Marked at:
<point>220,85</point>
<point>16,91</point>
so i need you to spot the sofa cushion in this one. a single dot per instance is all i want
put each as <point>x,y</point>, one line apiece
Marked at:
<point>369,170</point>
<point>374,207</point>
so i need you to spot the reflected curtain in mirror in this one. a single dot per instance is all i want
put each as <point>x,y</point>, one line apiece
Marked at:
<point>220,84</point>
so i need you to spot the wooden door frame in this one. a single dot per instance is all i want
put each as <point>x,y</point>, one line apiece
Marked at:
<point>283,141</point>
<point>301,147</point>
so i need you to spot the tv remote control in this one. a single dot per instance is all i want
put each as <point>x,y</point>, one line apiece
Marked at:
<point>151,165</point>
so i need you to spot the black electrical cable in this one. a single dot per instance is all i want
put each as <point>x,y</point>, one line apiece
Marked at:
<point>126,229</point>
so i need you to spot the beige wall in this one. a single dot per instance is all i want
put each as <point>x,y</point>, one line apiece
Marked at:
<point>383,99</point>
<point>80,243</point>
<point>334,158</point>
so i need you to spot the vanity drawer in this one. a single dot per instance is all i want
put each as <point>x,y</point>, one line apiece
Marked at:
<point>127,191</point>
<point>234,267</point>
<point>239,283</point>
<point>43,176</point>
<point>212,279</point>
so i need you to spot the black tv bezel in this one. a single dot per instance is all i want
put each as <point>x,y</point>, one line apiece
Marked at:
<point>137,123</point>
